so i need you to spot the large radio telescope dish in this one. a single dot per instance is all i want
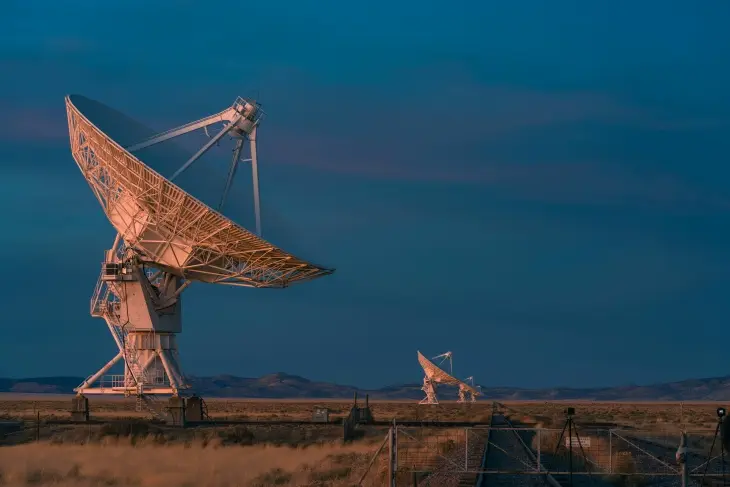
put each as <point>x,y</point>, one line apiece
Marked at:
<point>436,375</point>
<point>168,226</point>
<point>166,239</point>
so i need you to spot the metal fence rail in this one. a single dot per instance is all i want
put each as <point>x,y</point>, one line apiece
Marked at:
<point>442,456</point>
<point>458,456</point>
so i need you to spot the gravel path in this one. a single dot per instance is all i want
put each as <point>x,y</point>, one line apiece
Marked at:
<point>506,452</point>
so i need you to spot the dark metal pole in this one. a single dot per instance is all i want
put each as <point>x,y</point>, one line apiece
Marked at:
<point>557,446</point>
<point>682,459</point>
<point>415,479</point>
<point>392,462</point>
<point>722,454</point>
<point>712,448</point>
<point>395,452</point>
<point>390,457</point>
<point>570,454</point>
<point>583,453</point>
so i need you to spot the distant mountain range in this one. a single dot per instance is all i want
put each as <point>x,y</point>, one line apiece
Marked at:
<point>286,386</point>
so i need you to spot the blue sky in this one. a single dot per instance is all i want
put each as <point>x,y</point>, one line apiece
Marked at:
<point>540,187</point>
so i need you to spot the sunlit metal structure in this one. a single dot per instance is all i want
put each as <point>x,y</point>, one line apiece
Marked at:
<point>435,374</point>
<point>166,239</point>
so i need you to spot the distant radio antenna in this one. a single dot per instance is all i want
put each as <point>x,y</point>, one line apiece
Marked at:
<point>434,375</point>
<point>468,387</point>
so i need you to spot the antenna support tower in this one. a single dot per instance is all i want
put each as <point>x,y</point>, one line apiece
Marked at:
<point>166,239</point>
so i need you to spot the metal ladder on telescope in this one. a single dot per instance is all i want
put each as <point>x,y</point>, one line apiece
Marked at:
<point>139,375</point>
<point>103,307</point>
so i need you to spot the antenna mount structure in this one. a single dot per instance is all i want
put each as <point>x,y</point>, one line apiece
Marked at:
<point>166,239</point>
<point>467,387</point>
<point>434,374</point>
<point>240,122</point>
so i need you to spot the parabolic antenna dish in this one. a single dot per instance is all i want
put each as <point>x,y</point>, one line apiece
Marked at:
<point>162,222</point>
<point>436,374</point>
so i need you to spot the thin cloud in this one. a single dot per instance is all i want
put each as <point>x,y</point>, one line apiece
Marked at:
<point>580,182</point>
<point>474,112</point>
<point>449,137</point>
<point>437,140</point>
<point>25,124</point>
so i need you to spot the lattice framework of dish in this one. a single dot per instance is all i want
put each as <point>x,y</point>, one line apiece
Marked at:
<point>169,227</point>
<point>440,376</point>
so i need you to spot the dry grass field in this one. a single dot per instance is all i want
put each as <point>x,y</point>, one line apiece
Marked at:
<point>639,415</point>
<point>138,454</point>
<point>143,464</point>
<point>239,409</point>
<point>646,416</point>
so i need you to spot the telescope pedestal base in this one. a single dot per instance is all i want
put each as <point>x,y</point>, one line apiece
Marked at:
<point>80,408</point>
<point>176,411</point>
<point>430,389</point>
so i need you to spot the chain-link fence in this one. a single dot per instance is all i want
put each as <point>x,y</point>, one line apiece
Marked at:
<point>458,456</point>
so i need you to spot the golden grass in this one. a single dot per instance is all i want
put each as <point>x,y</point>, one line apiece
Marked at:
<point>648,416</point>
<point>101,455</point>
<point>664,415</point>
<point>149,465</point>
<point>249,409</point>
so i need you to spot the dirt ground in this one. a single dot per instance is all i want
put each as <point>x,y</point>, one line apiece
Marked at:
<point>642,415</point>
<point>57,407</point>
<point>136,453</point>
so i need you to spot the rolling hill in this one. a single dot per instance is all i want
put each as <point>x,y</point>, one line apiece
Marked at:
<point>287,386</point>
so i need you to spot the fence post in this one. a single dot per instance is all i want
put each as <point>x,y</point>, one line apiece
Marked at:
<point>38,426</point>
<point>682,459</point>
<point>681,413</point>
<point>372,460</point>
<point>392,455</point>
<point>539,447</point>
<point>466,449</point>
<point>395,452</point>
<point>610,451</point>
